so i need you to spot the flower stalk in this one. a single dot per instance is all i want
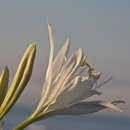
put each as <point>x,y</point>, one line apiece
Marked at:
<point>31,119</point>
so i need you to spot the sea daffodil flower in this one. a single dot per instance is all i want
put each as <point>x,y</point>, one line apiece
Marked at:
<point>66,87</point>
<point>19,82</point>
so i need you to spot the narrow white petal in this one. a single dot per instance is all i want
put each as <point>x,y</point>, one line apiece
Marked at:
<point>65,97</point>
<point>74,92</point>
<point>57,65</point>
<point>56,88</point>
<point>67,71</point>
<point>50,64</point>
<point>48,79</point>
<point>111,106</point>
<point>49,70</point>
<point>87,107</point>
<point>75,59</point>
<point>60,59</point>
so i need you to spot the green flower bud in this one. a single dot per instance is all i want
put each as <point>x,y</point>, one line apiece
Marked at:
<point>4,79</point>
<point>20,80</point>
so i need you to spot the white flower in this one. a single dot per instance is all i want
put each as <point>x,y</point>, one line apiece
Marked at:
<point>66,87</point>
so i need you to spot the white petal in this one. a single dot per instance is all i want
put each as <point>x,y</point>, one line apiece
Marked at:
<point>50,92</point>
<point>48,80</point>
<point>65,97</point>
<point>75,59</point>
<point>67,71</point>
<point>60,59</point>
<point>111,106</point>
<point>74,92</point>
<point>50,64</point>
<point>87,107</point>
<point>57,65</point>
<point>51,52</point>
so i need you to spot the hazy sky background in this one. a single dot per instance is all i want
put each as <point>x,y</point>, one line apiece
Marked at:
<point>100,27</point>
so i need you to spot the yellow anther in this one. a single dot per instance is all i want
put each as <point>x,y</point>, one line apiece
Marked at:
<point>83,63</point>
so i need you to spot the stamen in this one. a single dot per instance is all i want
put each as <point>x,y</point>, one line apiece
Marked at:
<point>90,69</point>
<point>83,63</point>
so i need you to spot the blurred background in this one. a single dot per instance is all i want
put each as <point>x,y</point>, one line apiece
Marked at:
<point>100,27</point>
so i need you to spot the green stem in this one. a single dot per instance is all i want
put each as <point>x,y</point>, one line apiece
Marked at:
<point>24,124</point>
<point>31,119</point>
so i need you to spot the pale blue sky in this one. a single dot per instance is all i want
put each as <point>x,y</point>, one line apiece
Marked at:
<point>100,27</point>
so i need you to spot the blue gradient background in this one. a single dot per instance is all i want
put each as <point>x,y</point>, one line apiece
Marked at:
<point>100,27</point>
